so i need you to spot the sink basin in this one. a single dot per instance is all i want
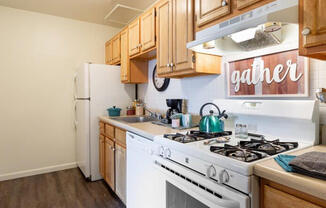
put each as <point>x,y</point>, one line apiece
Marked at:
<point>135,119</point>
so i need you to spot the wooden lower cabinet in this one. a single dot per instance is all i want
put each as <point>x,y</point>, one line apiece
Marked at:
<point>102,155</point>
<point>273,195</point>
<point>112,158</point>
<point>109,163</point>
<point>120,172</point>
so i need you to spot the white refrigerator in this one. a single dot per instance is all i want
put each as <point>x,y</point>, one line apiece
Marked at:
<point>97,88</point>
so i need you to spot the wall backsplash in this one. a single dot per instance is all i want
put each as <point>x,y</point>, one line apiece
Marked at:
<point>199,90</point>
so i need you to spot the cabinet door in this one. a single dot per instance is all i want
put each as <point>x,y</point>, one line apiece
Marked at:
<point>102,156</point>
<point>134,38</point>
<point>183,32</point>
<point>313,22</point>
<point>108,52</point>
<point>116,49</point>
<point>274,198</point>
<point>109,163</point>
<point>147,22</point>
<point>209,10</point>
<point>125,64</point>
<point>164,37</point>
<point>245,3</point>
<point>120,172</point>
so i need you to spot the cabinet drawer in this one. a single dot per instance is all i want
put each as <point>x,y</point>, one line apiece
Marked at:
<point>109,131</point>
<point>120,136</point>
<point>274,198</point>
<point>102,128</point>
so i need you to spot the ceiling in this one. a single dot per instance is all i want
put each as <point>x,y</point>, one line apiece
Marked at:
<point>85,10</point>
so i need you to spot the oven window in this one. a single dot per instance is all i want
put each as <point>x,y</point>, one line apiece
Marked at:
<point>176,198</point>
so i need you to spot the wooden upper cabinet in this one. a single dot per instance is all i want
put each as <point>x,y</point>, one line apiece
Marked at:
<point>148,31</point>
<point>134,38</point>
<point>312,26</point>
<point>125,64</point>
<point>183,32</point>
<point>109,163</point>
<point>210,10</point>
<point>108,52</point>
<point>116,49</point>
<point>245,3</point>
<point>164,37</point>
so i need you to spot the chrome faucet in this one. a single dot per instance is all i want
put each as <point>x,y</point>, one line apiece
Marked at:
<point>153,114</point>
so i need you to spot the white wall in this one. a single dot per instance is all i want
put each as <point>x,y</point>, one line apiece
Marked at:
<point>199,90</point>
<point>39,55</point>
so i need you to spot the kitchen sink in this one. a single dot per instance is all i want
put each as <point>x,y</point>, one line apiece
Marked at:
<point>135,119</point>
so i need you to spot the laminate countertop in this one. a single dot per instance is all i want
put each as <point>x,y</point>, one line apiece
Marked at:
<point>145,129</point>
<point>270,170</point>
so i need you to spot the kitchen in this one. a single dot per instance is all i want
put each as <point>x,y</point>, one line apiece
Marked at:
<point>59,148</point>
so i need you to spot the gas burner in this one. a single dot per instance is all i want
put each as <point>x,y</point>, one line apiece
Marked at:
<point>194,136</point>
<point>238,153</point>
<point>254,149</point>
<point>269,147</point>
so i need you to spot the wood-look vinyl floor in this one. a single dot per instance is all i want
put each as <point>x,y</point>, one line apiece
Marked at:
<point>60,189</point>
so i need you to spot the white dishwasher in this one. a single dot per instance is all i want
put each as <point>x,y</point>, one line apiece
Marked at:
<point>142,191</point>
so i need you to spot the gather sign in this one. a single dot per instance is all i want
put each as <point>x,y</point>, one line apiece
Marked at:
<point>280,74</point>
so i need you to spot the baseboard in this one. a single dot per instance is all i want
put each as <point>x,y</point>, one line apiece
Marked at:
<point>25,173</point>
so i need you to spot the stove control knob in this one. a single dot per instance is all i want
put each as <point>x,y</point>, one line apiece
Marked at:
<point>211,172</point>
<point>224,177</point>
<point>167,153</point>
<point>161,151</point>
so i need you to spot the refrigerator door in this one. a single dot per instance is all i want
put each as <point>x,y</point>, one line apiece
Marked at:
<point>106,90</point>
<point>83,136</point>
<point>82,82</point>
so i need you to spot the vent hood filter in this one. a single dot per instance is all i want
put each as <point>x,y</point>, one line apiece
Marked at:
<point>260,37</point>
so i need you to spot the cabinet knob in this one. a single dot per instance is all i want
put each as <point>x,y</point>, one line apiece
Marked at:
<point>306,31</point>
<point>172,65</point>
<point>167,65</point>
<point>224,3</point>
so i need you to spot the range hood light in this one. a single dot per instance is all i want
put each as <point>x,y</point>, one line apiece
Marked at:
<point>209,45</point>
<point>243,35</point>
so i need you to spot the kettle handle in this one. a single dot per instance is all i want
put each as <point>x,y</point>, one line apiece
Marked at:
<point>202,108</point>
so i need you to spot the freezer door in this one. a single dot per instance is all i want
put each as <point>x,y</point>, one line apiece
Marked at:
<point>82,82</point>
<point>82,136</point>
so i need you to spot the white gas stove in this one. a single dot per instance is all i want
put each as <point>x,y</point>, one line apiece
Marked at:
<point>221,174</point>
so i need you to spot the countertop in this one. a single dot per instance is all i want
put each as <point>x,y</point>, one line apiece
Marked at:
<point>145,129</point>
<point>270,170</point>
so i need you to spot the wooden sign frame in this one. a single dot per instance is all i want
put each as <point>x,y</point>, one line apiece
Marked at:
<point>305,77</point>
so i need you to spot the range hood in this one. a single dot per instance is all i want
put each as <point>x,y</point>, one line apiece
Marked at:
<point>256,29</point>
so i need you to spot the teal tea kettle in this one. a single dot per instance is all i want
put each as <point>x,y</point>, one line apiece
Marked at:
<point>212,123</point>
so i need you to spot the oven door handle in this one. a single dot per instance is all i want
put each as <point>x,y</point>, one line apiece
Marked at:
<point>226,200</point>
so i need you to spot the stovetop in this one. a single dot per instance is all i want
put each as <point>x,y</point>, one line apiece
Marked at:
<point>224,144</point>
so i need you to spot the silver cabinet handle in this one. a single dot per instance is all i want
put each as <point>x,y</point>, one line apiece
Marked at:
<point>306,31</point>
<point>224,3</point>
<point>167,65</point>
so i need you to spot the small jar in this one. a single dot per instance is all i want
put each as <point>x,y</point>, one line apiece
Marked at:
<point>130,111</point>
<point>175,122</point>
<point>140,110</point>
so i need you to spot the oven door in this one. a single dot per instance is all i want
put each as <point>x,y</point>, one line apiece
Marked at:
<point>184,188</point>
